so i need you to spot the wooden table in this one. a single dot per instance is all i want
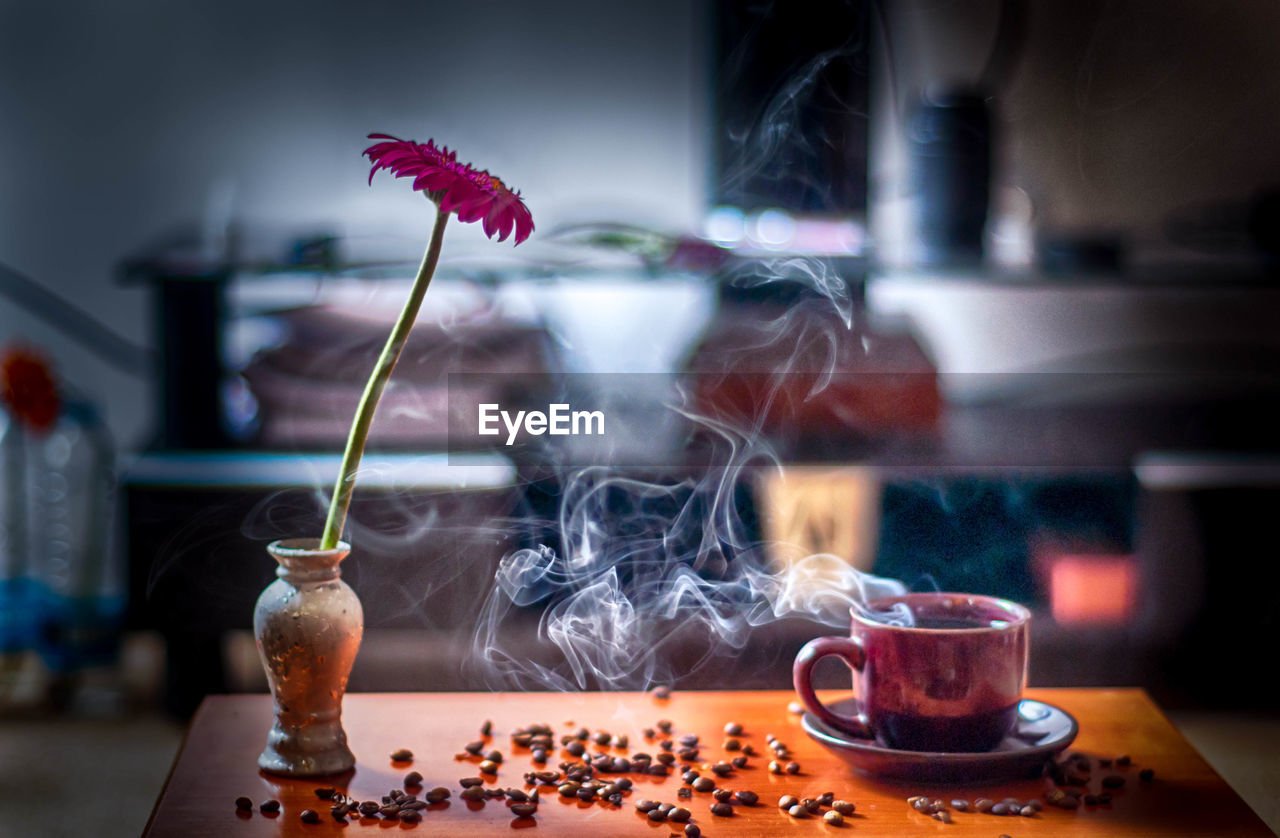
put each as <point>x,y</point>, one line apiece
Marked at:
<point>217,764</point>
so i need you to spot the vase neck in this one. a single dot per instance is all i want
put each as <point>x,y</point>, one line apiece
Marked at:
<point>301,562</point>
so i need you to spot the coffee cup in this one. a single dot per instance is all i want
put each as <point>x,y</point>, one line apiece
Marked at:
<point>931,671</point>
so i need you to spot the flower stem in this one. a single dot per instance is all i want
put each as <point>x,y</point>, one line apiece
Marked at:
<point>346,483</point>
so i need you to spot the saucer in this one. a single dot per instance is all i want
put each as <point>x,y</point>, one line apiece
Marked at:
<point>1042,731</point>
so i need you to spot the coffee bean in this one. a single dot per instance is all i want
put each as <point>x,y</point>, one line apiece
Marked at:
<point>787,801</point>
<point>775,767</point>
<point>390,810</point>
<point>798,811</point>
<point>616,798</point>
<point>621,741</point>
<point>1075,778</point>
<point>664,725</point>
<point>396,794</point>
<point>723,769</point>
<point>703,784</point>
<point>413,778</point>
<point>1012,802</point>
<point>661,691</point>
<point>684,792</point>
<point>942,815</point>
<point>1069,802</point>
<point>410,816</point>
<point>1027,811</point>
<point>488,767</point>
<point>793,768</point>
<point>539,756</point>
<point>733,729</point>
<point>402,755</point>
<point>658,770</point>
<point>738,762</point>
<point>960,805</point>
<point>1054,796</point>
<point>473,793</point>
<point>1000,809</point>
<point>369,808</point>
<point>309,816</point>
<point>795,707</point>
<point>324,793</point>
<point>844,807</point>
<point>689,740</point>
<point>269,807</point>
<point>747,750</point>
<point>826,798</point>
<point>524,810</point>
<point>985,804</point>
<point>688,754</point>
<point>624,783</point>
<point>568,789</point>
<point>244,804</point>
<point>732,745</point>
<point>1123,760</point>
<point>689,776</point>
<point>646,805</point>
<point>576,748</point>
<point>603,737</point>
<point>722,810</point>
<point>722,795</point>
<point>517,795</point>
<point>1146,775</point>
<point>692,831</point>
<point>834,818</point>
<point>1112,781</point>
<point>666,758</point>
<point>1104,762</point>
<point>648,733</point>
<point>486,728</point>
<point>586,793</point>
<point>747,798</point>
<point>1035,804</point>
<point>812,805</point>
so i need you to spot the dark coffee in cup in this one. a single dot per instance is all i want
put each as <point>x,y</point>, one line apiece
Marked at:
<point>932,672</point>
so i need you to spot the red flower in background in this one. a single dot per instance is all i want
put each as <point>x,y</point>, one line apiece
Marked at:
<point>28,390</point>
<point>455,187</point>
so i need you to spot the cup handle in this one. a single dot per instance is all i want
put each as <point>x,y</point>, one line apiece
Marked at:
<point>850,650</point>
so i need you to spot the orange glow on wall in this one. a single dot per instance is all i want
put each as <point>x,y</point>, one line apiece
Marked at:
<point>1093,589</point>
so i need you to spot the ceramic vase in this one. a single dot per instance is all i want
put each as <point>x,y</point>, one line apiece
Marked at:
<point>308,625</point>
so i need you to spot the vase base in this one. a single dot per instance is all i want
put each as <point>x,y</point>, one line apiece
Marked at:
<point>316,751</point>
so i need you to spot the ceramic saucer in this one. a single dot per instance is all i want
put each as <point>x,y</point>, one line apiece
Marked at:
<point>1042,731</point>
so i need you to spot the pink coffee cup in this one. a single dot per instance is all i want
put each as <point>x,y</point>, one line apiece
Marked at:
<point>949,680</point>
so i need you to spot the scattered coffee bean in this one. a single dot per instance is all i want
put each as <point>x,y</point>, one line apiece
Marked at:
<point>656,815</point>
<point>827,798</point>
<point>486,728</point>
<point>787,801</point>
<point>942,815</point>
<point>413,778</point>
<point>738,762</point>
<point>269,807</point>
<point>568,789</point>
<point>793,768</point>
<point>587,793</point>
<point>722,810</point>
<point>576,748</point>
<point>795,707</point>
<point>724,769</point>
<point>244,804</point>
<point>733,729</point>
<point>468,782</point>
<point>1028,811</point>
<point>390,810</point>
<point>324,793</point>
<point>309,816</point>
<point>985,804</point>
<point>722,795</point>
<point>1001,809</point>
<point>664,725</point>
<point>689,740</point>
<point>834,818</point>
<point>602,738</point>
<point>665,808</point>
<point>775,767</point>
<point>621,741</point>
<point>666,745</point>
<point>747,750</point>
<point>1112,781</point>
<point>539,756</point>
<point>661,691</point>
<point>684,792</point>
<point>732,745</point>
<point>747,798</point>
<point>401,755</point>
<point>1035,804</point>
<point>703,784</point>
<point>1104,762</point>
<point>960,805</point>
<point>1054,796</point>
<point>494,756</point>
<point>524,810</point>
<point>798,811</point>
<point>844,807</point>
<point>679,814</point>
<point>490,793</point>
<point>666,758</point>
<point>813,806</point>
<point>1123,760</point>
<point>648,733</point>
<point>658,770</point>
<point>473,793</point>
<point>689,776</point>
<point>339,811</point>
<point>646,805</point>
<point>410,816</point>
<point>692,831</point>
<point>1146,775</point>
<point>368,808</point>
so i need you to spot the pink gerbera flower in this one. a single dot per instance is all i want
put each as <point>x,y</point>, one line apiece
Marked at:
<point>455,187</point>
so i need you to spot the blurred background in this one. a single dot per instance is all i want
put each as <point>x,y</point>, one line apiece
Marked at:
<point>987,292</point>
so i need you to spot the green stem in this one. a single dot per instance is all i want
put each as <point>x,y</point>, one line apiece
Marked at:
<point>346,483</point>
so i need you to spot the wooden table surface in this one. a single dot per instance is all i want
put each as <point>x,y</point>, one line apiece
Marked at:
<point>217,764</point>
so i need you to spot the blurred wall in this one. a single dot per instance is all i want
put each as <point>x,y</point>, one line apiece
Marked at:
<point>120,121</point>
<point>1122,115</point>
